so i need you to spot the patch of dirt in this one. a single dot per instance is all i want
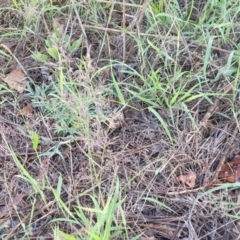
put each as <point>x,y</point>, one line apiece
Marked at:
<point>138,149</point>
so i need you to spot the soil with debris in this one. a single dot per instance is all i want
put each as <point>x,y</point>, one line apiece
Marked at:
<point>124,141</point>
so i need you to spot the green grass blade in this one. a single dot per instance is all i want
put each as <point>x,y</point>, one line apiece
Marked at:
<point>118,90</point>
<point>207,55</point>
<point>163,123</point>
<point>59,185</point>
<point>158,203</point>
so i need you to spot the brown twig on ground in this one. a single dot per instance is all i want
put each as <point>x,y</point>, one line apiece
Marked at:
<point>204,122</point>
<point>3,120</point>
<point>107,29</point>
<point>187,191</point>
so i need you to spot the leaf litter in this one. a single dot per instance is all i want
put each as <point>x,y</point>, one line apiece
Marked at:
<point>26,111</point>
<point>188,179</point>
<point>16,80</point>
<point>229,173</point>
<point>131,151</point>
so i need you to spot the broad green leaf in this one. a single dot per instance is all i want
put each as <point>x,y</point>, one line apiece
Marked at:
<point>35,140</point>
<point>49,42</point>
<point>53,52</point>
<point>39,57</point>
<point>75,45</point>
<point>67,39</point>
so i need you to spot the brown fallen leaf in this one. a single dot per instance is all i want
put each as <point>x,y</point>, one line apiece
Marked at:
<point>230,171</point>
<point>116,120</point>
<point>188,179</point>
<point>27,110</point>
<point>105,73</point>
<point>16,80</point>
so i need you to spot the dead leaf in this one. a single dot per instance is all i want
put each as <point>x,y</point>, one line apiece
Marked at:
<point>16,80</point>
<point>27,110</point>
<point>105,73</point>
<point>230,172</point>
<point>91,65</point>
<point>188,179</point>
<point>116,120</point>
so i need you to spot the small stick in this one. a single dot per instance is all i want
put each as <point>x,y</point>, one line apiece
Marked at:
<point>139,16</point>
<point>119,3</point>
<point>187,191</point>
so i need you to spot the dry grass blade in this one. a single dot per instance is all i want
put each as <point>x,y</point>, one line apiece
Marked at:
<point>190,191</point>
<point>80,23</point>
<point>106,29</point>
<point>43,169</point>
<point>139,15</point>
<point>14,202</point>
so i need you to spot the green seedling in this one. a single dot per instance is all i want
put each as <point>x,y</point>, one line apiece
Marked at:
<point>35,140</point>
<point>26,175</point>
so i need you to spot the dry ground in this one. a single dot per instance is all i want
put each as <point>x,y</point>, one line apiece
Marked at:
<point>119,134</point>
